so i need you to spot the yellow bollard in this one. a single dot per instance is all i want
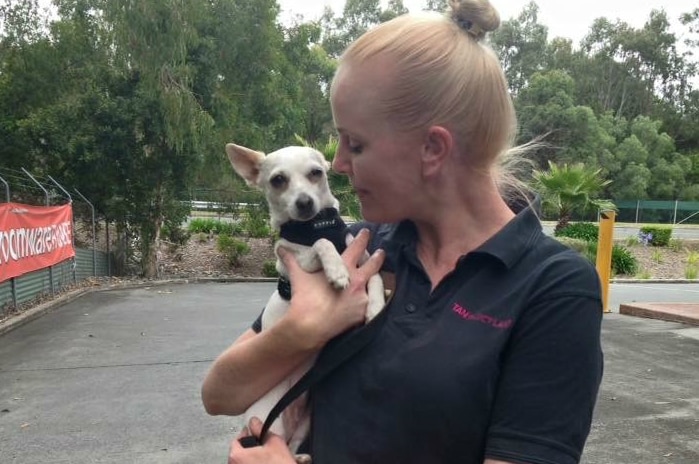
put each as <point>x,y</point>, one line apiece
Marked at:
<point>604,254</point>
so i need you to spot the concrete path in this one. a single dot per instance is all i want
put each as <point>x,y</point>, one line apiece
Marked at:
<point>114,377</point>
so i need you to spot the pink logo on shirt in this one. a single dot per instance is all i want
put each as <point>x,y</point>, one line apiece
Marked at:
<point>483,318</point>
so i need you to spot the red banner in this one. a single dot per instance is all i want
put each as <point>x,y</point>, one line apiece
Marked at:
<point>33,237</point>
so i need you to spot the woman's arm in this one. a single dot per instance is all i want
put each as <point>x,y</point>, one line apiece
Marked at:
<point>317,312</point>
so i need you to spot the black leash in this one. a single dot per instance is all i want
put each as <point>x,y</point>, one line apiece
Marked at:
<point>329,359</point>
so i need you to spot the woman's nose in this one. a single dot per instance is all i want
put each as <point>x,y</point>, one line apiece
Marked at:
<point>341,163</point>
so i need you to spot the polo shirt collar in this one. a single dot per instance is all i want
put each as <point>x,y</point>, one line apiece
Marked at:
<point>508,245</point>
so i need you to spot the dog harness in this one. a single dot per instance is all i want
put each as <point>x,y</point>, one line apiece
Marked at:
<point>326,224</point>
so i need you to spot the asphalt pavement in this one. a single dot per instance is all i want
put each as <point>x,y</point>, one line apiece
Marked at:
<point>114,377</point>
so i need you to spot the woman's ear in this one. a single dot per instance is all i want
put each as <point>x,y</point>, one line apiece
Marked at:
<point>437,148</point>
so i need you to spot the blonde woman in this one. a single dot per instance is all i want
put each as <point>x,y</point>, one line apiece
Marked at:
<point>490,352</point>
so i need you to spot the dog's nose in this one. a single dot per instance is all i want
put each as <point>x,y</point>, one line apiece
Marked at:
<point>304,204</point>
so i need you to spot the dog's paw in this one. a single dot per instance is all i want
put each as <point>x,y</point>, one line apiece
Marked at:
<point>338,277</point>
<point>303,459</point>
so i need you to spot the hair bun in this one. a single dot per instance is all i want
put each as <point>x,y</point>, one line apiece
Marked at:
<point>476,17</point>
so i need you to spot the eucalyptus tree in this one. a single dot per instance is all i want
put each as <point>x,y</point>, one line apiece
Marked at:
<point>521,44</point>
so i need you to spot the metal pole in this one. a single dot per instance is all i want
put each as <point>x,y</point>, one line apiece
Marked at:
<point>70,202</point>
<point>47,204</point>
<point>94,234</point>
<point>674,218</point>
<point>638,205</point>
<point>13,281</point>
<point>7,189</point>
<point>109,251</point>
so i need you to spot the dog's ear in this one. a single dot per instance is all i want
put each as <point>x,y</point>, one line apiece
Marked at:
<point>246,162</point>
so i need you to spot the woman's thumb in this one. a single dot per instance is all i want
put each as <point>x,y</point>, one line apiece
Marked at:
<point>288,259</point>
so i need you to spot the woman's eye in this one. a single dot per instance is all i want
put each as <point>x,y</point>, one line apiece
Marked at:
<point>353,146</point>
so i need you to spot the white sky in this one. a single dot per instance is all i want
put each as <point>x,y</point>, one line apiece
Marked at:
<point>563,18</point>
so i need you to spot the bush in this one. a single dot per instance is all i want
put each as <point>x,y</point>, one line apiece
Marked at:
<point>660,235</point>
<point>232,248</point>
<point>174,234</point>
<point>269,269</point>
<point>256,223</point>
<point>574,243</point>
<point>581,230</point>
<point>208,225</point>
<point>623,262</point>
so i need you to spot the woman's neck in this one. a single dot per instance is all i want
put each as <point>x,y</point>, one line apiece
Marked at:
<point>457,224</point>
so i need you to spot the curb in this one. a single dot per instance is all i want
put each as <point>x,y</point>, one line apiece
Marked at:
<point>654,281</point>
<point>14,322</point>
<point>684,313</point>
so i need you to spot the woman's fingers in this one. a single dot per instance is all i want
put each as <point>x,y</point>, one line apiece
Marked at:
<point>355,248</point>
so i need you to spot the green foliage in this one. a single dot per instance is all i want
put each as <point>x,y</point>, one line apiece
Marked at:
<point>174,234</point>
<point>214,226</point>
<point>643,274</point>
<point>255,222</point>
<point>570,188</point>
<point>660,235</point>
<point>623,261</point>
<point>586,231</point>
<point>675,244</point>
<point>269,269</point>
<point>656,256</point>
<point>232,248</point>
<point>576,244</point>
<point>690,272</point>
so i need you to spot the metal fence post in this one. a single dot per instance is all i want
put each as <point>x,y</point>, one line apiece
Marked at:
<point>94,234</point>
<point>47,204</point>
<point>70,201</point>
<point>7,189</point>
<point>674,217</point>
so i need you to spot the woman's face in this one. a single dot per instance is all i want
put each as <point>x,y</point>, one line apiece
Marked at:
<point>382,163</point>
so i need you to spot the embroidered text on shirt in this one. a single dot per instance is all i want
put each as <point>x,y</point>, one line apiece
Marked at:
<point>484,318</point>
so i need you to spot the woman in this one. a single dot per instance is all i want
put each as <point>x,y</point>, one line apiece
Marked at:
<point>490,352</point>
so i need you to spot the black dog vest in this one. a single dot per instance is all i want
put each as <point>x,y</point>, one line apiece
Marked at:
<point>326,224</point>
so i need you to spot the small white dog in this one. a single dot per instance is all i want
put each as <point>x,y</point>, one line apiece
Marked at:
<point>303,209</point>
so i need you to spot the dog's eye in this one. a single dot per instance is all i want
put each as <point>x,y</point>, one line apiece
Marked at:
<point>316,173</point>
<point>278,181</point>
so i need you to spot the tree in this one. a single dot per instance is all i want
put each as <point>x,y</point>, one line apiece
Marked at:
<point>436,5</point>
<point>568,189</point>
<point>521,44</point>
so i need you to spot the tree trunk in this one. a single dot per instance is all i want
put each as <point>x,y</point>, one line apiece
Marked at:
<point>563,222</point>
<point>150,236</point>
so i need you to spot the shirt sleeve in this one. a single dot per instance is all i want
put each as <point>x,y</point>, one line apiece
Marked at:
<point>549,382</point>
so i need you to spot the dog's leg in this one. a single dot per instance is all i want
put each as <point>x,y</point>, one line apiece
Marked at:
<point>377,299</point>
<point>333,266</point>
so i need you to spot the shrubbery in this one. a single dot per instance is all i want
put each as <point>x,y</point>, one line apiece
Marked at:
<point>232,248</point>
<point>583,236</point>
<point>659,236</point>
<point>581,230</point>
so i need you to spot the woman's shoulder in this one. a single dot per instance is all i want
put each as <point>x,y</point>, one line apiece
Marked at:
<point>562,271</point>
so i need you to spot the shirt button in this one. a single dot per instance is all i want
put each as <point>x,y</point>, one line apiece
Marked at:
<point>411,308</point>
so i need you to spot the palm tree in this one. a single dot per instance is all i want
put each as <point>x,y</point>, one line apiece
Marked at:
<point>570,188</point>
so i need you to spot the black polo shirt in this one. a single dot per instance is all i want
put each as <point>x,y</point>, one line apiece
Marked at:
<point>501,360</point>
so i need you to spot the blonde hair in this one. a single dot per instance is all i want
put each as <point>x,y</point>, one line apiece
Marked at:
<point>442,74</point>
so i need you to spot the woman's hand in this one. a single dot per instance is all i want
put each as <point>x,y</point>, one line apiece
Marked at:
<point>272,451</point>
<point>319,312</point>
